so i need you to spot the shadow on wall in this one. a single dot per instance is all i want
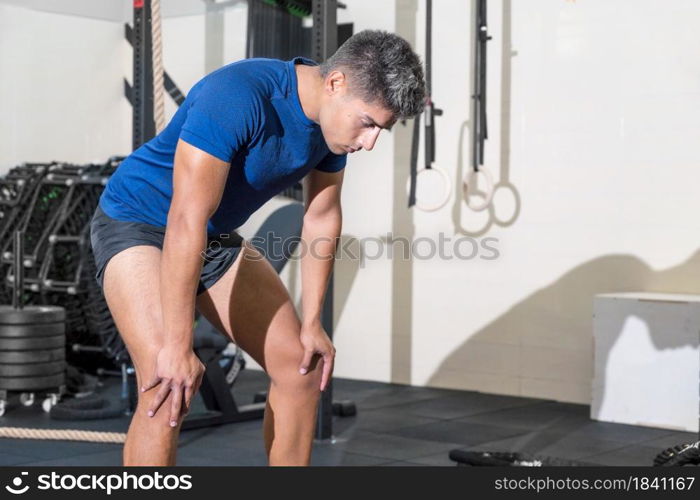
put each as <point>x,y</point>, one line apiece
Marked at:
<point>345,270</point>
<point>531,344</point>
<point>348,269</point>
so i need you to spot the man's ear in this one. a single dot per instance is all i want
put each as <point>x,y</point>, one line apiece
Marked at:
<point>335,82</point>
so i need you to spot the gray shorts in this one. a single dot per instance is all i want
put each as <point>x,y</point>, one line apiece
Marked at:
<point>110,236</point>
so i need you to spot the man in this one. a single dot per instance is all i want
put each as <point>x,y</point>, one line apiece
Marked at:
<point>244,133</point>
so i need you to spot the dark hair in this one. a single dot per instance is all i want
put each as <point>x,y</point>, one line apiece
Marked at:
<point>381,67</point>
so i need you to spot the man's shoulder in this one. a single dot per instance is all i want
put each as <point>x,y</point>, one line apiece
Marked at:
<point>253,73</point>
<point>250,82</point>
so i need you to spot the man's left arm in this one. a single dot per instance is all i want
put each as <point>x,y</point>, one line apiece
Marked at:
<point>320,234</point>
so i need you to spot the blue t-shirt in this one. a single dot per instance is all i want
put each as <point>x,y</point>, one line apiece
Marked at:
<point>246,113</point>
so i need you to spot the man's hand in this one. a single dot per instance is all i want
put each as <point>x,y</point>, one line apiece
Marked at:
<point>178,370</point>
<point>316,341</point>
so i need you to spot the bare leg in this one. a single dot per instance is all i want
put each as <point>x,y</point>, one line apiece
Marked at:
<point>251,305</point>
<point>131,287</point>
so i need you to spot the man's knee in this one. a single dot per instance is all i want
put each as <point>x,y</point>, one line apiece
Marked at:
<point>286,376</point>
<point>145,363</point>
<point>162,417</point>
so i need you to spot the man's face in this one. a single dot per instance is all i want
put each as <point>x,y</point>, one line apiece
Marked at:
<point>350,124</point>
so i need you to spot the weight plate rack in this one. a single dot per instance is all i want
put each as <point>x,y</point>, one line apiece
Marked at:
<point>52,203</point>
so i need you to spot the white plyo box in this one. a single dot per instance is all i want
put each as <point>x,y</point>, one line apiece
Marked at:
<point>647,360</point>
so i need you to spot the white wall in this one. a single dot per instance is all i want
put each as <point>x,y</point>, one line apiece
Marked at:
<point>596,124</point>
<point>61,90</point>
<point>593,115</point>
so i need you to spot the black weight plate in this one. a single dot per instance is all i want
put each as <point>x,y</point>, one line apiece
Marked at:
<point>31,314</point>
<point>23,357</point>
<point>38,330</point>
<point>32,343</point>
<point>33,370</point>
<point>31,383</point>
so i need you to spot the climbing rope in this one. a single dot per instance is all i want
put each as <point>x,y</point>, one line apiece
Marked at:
<point>62,435</point>
<point>157,50</point>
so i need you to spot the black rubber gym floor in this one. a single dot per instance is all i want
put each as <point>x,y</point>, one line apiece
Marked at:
<point>395,425</point>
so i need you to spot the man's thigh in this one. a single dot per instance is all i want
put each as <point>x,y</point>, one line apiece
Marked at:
<point>251,305</point>
<point>131,288</point>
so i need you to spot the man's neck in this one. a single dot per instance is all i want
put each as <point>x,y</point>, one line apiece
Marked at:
<point>309,87</point>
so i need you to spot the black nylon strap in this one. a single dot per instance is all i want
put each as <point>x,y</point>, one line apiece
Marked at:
<point>414,160</point>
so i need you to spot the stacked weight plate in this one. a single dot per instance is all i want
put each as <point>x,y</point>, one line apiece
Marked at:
<point>32,348</point>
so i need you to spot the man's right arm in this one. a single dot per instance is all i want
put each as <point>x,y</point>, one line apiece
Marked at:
<point>198,184</point>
